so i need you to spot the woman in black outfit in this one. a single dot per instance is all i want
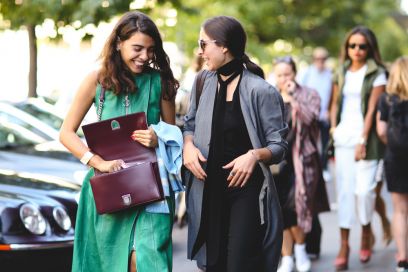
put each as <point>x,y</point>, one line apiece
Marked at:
<point>237,129</point>
<point>393,112</point>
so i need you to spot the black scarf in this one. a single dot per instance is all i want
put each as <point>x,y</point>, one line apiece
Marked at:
<point>215,183</point>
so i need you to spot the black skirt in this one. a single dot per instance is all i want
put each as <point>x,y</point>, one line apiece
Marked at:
<point>396,174</point>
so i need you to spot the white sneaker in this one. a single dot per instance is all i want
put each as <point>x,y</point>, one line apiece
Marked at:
<point>303,263</point>
<point>287,264</point>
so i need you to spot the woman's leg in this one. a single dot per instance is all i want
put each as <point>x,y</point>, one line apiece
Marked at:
<point>302,260</point>
<point>365,189</point>
<point>287,245</point>
<point>298,235</point>
<point>181,211</point>
<point>132,262</point>
<point>152,240</point>
<point>342,256</point>
<point>399,223</point>
<point>367,243</point>
<point>287,264</point>
<point>245,232</point>
<point>381,210</point>
<point>345,169</point>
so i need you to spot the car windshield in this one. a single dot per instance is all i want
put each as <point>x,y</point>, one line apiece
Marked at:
<point>6,118</point>
<point>13,135</point>
<point>47,117</point>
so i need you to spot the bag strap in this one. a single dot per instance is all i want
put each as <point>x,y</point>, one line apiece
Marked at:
<point>199,85</point>
<point>101,100</point>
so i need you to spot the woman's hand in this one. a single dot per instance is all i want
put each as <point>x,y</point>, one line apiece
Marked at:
<point>360,152</point>
<point>192,158</point>
<point>290,87</point>
<point>110,166</point>
<point>242,168</point>
<point>146,137</point>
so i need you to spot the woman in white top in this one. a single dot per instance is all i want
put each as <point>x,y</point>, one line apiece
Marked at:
<point>358,85</point>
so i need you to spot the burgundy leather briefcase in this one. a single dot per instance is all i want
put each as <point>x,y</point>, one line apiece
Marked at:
<point>135,185</point>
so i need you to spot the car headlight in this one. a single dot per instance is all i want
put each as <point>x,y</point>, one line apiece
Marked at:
<point>62,218</point>
<point>32,219</point>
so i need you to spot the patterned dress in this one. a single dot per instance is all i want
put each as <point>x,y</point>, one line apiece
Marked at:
<point>310,197</point>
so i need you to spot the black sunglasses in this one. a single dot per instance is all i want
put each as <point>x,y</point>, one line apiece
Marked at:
<point>203,43</point>
<point>362,46</point>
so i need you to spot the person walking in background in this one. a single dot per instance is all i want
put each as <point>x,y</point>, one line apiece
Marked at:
<point>135,72</point>
<point>318,77</point>
<point>183,93</point>
<point>182,105</point>
<point>299,183</point>
<point>235,221</point>
<point>392,129</point>
<point>360,81</point>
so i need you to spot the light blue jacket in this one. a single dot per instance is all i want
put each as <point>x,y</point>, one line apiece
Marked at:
<point>169,158</point>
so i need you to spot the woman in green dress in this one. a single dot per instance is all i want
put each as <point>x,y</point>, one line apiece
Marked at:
<point>134,68</point>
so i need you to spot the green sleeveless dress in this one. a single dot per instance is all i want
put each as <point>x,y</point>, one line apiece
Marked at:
<point>103,243</point>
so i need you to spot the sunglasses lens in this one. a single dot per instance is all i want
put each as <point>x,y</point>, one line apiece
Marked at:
<point>363,46</point>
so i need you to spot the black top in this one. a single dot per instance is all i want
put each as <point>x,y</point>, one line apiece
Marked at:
<point>384,105</point>
<point>236,137</point>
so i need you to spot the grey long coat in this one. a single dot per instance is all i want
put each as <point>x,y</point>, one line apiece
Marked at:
<point>262,108</point>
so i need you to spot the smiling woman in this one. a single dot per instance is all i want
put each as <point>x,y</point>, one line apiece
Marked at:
<point>136,76</point>
<point>232,136</point>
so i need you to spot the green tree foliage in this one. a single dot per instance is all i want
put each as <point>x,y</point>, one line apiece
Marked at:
<point>273,27</point>
<point>291,26</point>
<point>30,13</point>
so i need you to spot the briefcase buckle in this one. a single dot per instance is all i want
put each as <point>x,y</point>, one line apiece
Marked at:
<point>127,199</point>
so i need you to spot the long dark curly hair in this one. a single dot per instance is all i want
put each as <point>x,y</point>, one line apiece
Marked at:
<point>115,75</point>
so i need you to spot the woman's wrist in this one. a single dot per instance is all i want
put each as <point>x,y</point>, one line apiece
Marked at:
<point>362,140</point>
<point>254,154</point>
<point>86,157</point>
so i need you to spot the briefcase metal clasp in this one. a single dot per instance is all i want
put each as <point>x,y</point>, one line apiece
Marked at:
<point>127,199</point>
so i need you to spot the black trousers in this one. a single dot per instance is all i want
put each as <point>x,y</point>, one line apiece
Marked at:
<point>313,238</point>
<point>324,127</point>
<point>241,245</point>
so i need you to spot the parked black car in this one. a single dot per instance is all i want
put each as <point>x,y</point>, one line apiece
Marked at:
<point>37,219</point>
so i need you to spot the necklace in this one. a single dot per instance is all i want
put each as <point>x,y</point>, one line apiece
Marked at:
<point>126,103</point>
